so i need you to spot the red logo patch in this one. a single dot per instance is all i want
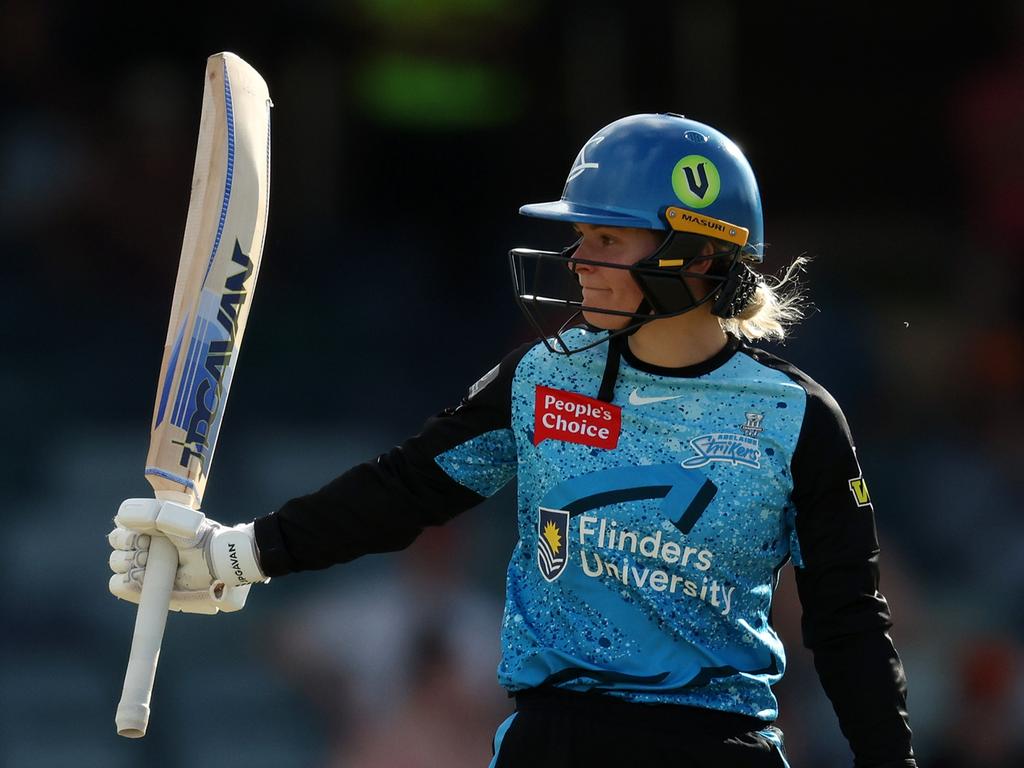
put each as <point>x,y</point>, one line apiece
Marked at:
<point>575,418</point>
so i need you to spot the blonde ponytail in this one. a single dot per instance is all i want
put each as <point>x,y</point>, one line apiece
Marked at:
<point>778,304</point>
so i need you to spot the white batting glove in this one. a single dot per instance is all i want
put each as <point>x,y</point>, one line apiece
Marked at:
<point>216,564</point>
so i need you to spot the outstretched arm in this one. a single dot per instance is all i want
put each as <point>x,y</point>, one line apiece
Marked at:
<point>463,455</point>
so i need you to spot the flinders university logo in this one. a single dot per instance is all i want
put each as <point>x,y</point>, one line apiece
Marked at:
<point>552,542</point>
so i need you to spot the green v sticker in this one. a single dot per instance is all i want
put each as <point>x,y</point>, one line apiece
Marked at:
<point>696,181</point>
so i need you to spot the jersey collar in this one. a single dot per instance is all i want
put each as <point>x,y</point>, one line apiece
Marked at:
<point>717,360</point>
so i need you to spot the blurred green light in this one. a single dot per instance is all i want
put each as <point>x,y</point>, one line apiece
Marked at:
<point>439,94</point>
<point>417,12</point>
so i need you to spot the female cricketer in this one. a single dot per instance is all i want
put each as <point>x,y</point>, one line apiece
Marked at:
<point>667,471</point>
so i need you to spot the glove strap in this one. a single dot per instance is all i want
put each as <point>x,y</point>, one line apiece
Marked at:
<point>233,556</point>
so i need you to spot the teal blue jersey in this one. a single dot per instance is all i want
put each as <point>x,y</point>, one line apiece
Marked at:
<point>656,508</point>
<point>645,566</point>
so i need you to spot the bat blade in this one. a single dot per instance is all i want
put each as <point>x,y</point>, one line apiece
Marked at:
<point>220,260</point>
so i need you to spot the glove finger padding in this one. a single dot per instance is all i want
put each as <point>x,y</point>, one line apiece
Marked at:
<point>124,587</point>
<point>183,600</point>
<point>123,562</point>
<point>182,525</point>
<point>233,598</point>
<point>124,539</point>
<point>138,514</point>
<point>175,520</point>
<point>192,602</point>
<point>204,601</point>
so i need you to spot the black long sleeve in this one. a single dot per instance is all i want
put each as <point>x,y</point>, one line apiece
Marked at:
<point>845,617</point>
<point>384,504</point>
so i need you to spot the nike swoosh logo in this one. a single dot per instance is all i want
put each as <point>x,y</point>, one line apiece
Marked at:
<point>635,399</point>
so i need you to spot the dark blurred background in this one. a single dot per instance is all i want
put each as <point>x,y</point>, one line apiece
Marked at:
<point>889,143</point>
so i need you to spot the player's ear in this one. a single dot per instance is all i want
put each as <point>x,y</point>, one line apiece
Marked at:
<point>702,263</point>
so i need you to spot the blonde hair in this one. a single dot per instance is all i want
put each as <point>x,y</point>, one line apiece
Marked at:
<point>778,304</point>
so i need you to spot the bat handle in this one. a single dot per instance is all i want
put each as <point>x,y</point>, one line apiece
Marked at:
<point>132,716</point>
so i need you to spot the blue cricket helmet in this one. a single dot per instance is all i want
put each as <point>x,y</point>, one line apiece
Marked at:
<point>666,172</point>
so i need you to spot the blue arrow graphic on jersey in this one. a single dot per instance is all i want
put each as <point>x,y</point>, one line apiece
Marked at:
<point>686,492</point>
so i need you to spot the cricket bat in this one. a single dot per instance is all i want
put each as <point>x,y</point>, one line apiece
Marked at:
<point>220,261</point>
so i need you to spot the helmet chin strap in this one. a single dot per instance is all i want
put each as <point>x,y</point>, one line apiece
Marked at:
<point>615,344</point>
<point>618,339</point>
<point>611,369</point>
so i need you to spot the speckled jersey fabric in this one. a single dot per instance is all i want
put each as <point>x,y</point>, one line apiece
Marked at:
<point>646,570</point>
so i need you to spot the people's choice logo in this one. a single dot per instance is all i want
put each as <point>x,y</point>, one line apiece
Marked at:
<point>574,418</point>
<point>696,181</point>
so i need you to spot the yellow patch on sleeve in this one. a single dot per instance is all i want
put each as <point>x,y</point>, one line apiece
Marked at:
<point>859,488</point>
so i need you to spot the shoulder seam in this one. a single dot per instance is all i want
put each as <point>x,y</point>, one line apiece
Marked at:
<point>776,363</point>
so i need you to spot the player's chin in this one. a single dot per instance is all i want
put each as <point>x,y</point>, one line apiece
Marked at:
<point>605,321</point>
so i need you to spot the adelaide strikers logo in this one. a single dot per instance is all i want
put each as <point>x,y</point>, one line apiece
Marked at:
<point>552,542</point>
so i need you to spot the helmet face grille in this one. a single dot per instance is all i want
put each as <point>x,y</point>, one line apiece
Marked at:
<point>549,295</point>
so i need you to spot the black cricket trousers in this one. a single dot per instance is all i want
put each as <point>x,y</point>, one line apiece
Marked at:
<point>552,728</point>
